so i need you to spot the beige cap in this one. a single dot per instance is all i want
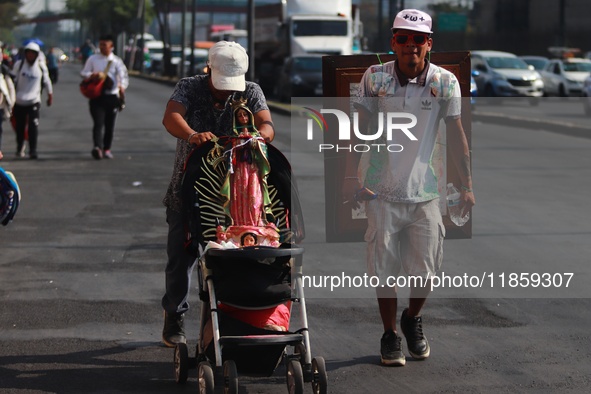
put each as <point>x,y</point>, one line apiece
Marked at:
<point>228,62</point>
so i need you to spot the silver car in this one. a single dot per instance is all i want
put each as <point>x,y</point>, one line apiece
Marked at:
<point>502,74</point>
<point>564,77</point>
<point>586,93</point>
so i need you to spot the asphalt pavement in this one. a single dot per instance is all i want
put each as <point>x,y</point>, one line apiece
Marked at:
<point>81,265</point>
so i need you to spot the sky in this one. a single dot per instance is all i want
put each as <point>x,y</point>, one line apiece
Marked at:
<point>33,7</point>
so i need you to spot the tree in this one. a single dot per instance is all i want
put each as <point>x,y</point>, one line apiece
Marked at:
<point>107,16</point>
<point>9,17</point>
<point>162,9</point>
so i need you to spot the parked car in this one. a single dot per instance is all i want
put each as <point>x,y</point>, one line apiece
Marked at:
<point>200,55</point>
<point>502,74</point>
<point>156,50</point>
<point>155,54</point>
<point>537,62</point>
<point>565,77</point>
<point>300,76</point>
<point>586,93</point>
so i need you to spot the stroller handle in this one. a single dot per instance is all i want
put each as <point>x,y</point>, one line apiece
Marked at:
<point>256,252</point>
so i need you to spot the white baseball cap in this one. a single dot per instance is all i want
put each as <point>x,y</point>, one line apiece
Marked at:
<point>228,62</point>
<point>32,46</point>
<point>414,20</point>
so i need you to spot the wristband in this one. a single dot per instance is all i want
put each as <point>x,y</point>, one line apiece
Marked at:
<point>466,189</point>
<point>191,136</point>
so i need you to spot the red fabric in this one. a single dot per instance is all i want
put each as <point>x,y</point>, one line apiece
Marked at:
<point>92,88</point>
<point>13,123</point>
<point>277,315</point>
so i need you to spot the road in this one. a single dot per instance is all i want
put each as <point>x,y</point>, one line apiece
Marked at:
<point>81,266</point>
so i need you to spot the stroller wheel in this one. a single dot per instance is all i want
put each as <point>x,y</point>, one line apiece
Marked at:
<point>181,363</point>
<point>295,377</point>
<point>319,376</point>
<point>206,379</point>
<point>230,377</point>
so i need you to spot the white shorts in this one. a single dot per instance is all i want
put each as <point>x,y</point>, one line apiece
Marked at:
<point>404,235</point>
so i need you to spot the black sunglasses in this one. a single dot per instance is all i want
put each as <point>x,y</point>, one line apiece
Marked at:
<point>418,39</point>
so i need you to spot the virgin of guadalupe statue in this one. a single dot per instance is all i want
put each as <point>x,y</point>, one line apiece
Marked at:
<point>245,191</point>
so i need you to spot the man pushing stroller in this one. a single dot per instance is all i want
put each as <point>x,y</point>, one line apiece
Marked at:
<point>199,110</point>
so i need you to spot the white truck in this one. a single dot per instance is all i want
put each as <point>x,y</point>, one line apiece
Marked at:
<point>293,27</point>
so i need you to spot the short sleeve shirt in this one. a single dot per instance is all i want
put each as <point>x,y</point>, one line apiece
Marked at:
<point>194,94</point>
<point>407,176</point>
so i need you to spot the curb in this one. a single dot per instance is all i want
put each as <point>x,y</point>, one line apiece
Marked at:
<point>565,128</point>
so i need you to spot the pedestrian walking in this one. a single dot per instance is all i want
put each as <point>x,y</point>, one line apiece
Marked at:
<point>31,77</point>
<point>52,65</point>
<point>103,109</point>
<point>87,50</point>
<point>7,99</point>
<point>405,229</point>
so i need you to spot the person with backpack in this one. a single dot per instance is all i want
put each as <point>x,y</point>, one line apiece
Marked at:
<point>31,77</point>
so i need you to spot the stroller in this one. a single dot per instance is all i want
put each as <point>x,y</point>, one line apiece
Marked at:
<point>248,280</point>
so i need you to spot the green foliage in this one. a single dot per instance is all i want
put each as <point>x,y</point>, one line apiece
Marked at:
<point>8,18</point>
<point>108,16</point>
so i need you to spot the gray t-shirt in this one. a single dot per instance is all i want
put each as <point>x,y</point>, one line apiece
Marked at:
<point>194,94</point>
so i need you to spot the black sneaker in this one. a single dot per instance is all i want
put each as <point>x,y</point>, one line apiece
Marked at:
<point>97,153</point>
<point>412,328</point>
<point>391,349</point>
<point>173,331</point>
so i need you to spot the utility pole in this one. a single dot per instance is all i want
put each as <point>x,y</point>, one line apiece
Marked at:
<point>379,36</point>
<point>562,23</point>
<point>181,70</point>
<point>250,29</point>
<point>192,64</point>
<point>132,55</point>
<point>142,30</point>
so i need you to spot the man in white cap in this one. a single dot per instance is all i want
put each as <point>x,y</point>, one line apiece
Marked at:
<point>199,109</point>
<point>405,229</point>
<point>31,76</point>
